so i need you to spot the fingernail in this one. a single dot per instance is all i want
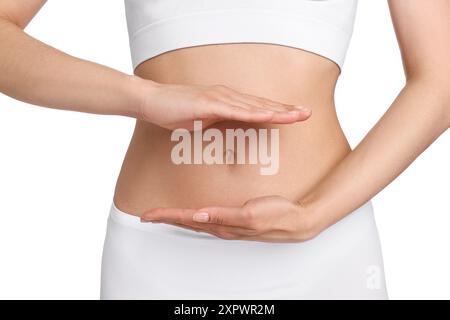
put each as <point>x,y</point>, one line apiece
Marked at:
<point>146,218</point>
<point>301,108</point>
<point>201,217</point>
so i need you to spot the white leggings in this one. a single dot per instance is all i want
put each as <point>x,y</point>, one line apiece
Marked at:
<point>161,261</point>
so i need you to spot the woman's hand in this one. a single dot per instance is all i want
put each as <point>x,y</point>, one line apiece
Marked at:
<point>173,106</point>
<point>266,219</point>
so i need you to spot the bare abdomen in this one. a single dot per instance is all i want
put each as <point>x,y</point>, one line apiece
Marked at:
<point>307,150</point>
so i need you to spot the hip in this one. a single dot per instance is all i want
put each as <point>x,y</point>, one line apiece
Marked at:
<point>160,261</point>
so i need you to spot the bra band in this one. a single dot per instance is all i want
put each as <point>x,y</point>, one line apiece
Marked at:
<point>323,27</point>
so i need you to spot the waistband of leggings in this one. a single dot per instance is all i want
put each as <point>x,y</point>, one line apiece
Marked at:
<point>133,221</point>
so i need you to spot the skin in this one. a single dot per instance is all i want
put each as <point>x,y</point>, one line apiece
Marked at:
<point>297,204</point>
<point>39,74</point>
<point>418,116</point>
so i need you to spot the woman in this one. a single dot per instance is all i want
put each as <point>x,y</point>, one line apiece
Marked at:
<point>202,229</point>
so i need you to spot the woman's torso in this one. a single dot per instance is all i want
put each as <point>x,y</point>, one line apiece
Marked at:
<point>307,150</point>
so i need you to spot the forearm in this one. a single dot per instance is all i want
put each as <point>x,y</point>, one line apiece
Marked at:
<point>418,116</point>
<point>34,72</point>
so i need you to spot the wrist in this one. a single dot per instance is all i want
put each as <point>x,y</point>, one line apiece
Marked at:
<point>139,91</point>
<point>313,213</point>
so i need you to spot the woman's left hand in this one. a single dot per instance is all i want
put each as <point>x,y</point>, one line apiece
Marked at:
<point>266,219</point>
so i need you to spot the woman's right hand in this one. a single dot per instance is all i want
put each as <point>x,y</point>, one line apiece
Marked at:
<point>173,106</point>
<point>36,73</point>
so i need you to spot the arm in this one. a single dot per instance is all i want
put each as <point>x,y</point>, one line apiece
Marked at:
<point>419,115</point>
<point>36,73</point>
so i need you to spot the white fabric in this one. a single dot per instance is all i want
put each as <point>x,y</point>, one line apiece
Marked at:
<point>161,261</point>
<point>320,26</point>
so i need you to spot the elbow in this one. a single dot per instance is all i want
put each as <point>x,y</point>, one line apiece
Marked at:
<point>7,19</point>
<point>447,106</point>
<point>442,91</point>
<point>6,23</point>
<point>436,86</point>
<point>446,114</point>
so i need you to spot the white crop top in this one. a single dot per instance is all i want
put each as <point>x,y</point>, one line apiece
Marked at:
<point>323,27</point>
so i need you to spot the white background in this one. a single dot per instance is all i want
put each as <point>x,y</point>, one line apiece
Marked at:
<point>58,168</point>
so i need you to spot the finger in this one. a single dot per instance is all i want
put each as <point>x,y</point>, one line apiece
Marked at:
<point>251,99</point>
<point>249,103</point>
<point>235,233</point>
<point>290,117</point>
<point>272,237</point>
<point>282,114</point>
<point>228,216</point>
<point>186,217</point>
<point>275,105</point>
<point>184,226</point>
<point>262,103</point>
<point>216,230</point>
<point>171,214</point>
<point>259,102</point>
<point>232,112</point>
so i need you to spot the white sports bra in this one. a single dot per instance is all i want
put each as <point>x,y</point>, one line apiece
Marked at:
<point>323,27</point>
